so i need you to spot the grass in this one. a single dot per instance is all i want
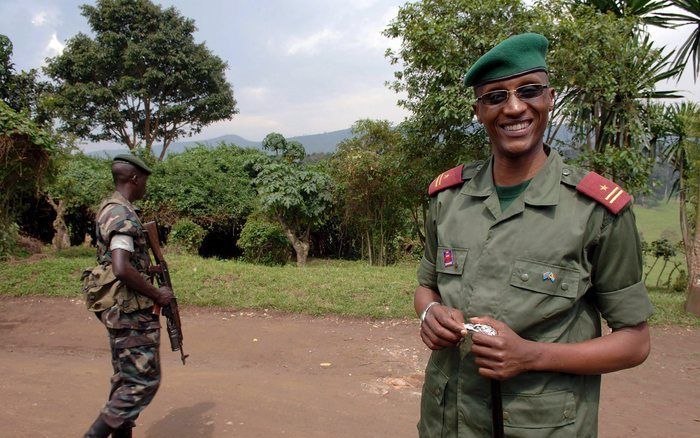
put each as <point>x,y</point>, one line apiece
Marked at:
<point>349,288</point>
<point>655,223</point>
<point>340,287</point>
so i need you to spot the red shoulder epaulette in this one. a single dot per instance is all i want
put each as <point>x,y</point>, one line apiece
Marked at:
<point>604,191</point>
<point>447,179</point>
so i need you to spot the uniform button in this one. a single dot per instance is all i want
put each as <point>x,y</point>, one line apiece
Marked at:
<point>566,172</point>
<point>436,392</point>
<point>506,416</point>
<point>565,286</point>
<point>524,277</point>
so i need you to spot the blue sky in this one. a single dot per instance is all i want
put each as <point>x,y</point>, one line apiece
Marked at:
<point>297,66</point>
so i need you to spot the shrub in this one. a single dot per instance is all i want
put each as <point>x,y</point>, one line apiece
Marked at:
<point>187,236</point>
<point>8,240</point>
<point>264,242</point>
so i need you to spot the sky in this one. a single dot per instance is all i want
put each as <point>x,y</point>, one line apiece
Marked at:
<point>297,67</point>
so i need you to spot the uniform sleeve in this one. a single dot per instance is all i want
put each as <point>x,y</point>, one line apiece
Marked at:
<point>621,295</point>
<point>116,219</point>
<point>427,275</point>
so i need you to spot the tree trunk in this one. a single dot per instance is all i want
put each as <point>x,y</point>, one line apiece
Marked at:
<point>692,304</point>
<point>301,246</point>
<point>61,239</point>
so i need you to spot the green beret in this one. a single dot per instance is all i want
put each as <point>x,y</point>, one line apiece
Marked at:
<point>133,160</point>
<point>515,56</point>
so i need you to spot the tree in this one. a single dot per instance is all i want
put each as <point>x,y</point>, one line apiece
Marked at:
<point>26,160</point>
<point>80,181</point>
<point>21,91</point>
<point>691,46</point>
<point>684,155</point>
<point>366,170</point>
<point>292,193</point>
<point>141,80</point>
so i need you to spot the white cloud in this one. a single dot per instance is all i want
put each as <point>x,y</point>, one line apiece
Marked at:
<point>310,45</point>
<point>54,47</point>
<point>255,92</point>
<point>39,19</point>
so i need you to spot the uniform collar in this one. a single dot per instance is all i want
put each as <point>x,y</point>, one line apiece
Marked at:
<point>543,189</point>
<point>117,196</point>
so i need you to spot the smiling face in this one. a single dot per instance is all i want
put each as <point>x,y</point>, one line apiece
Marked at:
<point>516,127</point>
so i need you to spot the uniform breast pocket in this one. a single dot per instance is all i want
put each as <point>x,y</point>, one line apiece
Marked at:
<point>540,291</point>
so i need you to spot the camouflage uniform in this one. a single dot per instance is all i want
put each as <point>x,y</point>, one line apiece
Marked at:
<point>134,331</point>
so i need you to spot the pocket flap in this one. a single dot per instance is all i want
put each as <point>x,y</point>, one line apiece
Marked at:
<point>450,260</point>
<point>537,411</point>
<point>545,278</point>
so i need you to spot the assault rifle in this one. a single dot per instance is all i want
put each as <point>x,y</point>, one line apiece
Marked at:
<point>171,311</point>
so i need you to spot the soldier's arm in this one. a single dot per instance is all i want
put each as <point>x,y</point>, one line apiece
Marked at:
<point>125,272</point>
<point>442,326</point>
<point>507,355</point>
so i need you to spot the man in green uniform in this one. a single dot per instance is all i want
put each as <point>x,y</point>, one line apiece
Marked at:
<point>538,250</point>
<point>122,296</point>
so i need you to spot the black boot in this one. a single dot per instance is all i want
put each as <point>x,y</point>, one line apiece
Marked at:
<point>124,431</point>
<point>99,429</point>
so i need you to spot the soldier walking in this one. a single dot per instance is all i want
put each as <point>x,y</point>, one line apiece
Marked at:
<point>122,296</point>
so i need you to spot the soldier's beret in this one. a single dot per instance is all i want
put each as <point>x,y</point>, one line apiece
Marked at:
<point>517,55</point>
<point>134,160</point>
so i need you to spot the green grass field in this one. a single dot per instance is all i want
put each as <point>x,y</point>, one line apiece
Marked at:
<point>350,288</point>
<point>661,221</point>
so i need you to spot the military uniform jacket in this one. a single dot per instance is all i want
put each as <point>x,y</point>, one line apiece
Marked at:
<point>117,215</point>
<point>549,266</point>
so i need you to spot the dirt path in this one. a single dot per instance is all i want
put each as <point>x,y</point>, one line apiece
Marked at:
<point>254,374</point>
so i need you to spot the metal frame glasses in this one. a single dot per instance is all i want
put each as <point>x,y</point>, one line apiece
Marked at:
<point>523,92</point>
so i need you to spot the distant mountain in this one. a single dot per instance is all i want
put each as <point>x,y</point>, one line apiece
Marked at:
<point>314,143</point>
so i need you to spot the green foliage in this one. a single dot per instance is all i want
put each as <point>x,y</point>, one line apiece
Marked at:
<point>26,153</point>
<point>264,242</point>
<point>187,235</point>
<point>366,170</point>
<point>294,194</point>
<point>621,165</point>
<point>9,235</point>
<point>210,186</point>
<point>81,181</point>
<point>142,79</point>
<point>21,91</point>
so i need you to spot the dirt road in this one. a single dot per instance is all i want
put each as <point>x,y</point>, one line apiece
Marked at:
<point>259,374</point>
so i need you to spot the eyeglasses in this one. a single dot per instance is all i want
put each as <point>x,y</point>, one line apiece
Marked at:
<point>524,92</point>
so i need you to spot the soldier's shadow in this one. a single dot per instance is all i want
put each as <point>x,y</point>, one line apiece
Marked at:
<point>192,421</point>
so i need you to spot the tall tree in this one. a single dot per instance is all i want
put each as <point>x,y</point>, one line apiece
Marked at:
<point>21,91</point>
<point>690,16</point>
<point>292,193</point>
<point>142,79</point>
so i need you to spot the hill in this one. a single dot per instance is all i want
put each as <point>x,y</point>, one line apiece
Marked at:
<point>313,143</point>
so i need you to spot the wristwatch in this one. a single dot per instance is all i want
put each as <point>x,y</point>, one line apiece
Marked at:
<point>425,312</point>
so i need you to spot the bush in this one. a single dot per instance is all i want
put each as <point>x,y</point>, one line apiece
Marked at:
<point>264,242</point>
<point>9,235</point>
<point>187,236</point>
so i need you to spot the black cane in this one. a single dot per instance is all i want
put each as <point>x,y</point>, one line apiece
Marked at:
<point>497,409</point>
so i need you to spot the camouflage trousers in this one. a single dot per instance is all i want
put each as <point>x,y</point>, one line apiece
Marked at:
<point>136,363</point>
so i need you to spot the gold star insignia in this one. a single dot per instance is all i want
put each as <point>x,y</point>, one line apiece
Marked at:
<point>604,188</point>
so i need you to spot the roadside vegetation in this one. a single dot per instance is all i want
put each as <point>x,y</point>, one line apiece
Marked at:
<point>338,287</point>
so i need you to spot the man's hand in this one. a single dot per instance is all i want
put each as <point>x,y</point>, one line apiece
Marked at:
<point>165,295</point>
<point>442,327</point>
<point>502,356</point>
